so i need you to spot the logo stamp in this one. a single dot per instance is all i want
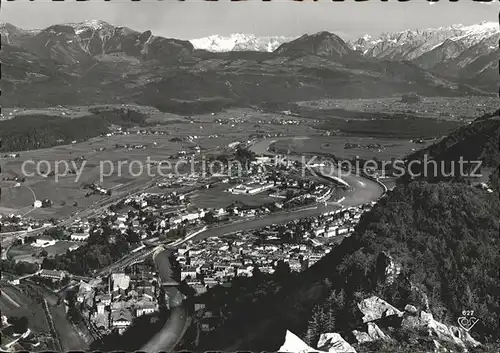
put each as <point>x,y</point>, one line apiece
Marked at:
<point>467,321</point>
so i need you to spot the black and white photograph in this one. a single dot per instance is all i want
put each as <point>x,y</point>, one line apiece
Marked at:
<point>250,176</point>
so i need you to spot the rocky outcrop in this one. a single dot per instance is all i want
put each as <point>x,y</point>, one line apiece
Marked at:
<point>387,268</point>
<point>378,312</point>
<point>293,344</point>
<point>423,300</point>
<point>372,334</point>
<point>442,332</point>
<point>410,309</point>
<point>374,308</point>
<point>334,343</point>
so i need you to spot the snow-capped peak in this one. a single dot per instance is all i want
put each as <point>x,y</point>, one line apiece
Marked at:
<point>411,43</point>
<point>94,25</point>
<point>239,42</point>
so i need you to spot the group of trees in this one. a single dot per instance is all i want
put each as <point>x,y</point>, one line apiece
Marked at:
<point>43,131</point>
<point>101,250</point>
<point>27,132</point>
<point>19,324</point>
<point>475,142</point>
<point>175,233</point>
<point>19,268</point>
<point>244,156</point>
<point>57,233</point>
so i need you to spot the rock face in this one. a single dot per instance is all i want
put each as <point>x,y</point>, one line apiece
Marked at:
<point>411,309</point>
<point>373,333</point>
<point>76,43</point>
<point>334,343</point>
<point>387,267</point>
<point>412,43</point>
<point>451,334</point>
<point>374,308</point>
<point>294,344</point>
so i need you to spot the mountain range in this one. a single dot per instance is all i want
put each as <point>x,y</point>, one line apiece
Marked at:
<point>240,42</point>
<point>95,62</point>
<point>456,51</point>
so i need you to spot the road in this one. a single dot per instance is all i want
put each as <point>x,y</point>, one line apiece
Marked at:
<point>361,191</point>
<point>6,296</point>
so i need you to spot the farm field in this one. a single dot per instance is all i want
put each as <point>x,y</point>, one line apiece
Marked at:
<point>16,197</point>
<point>334,145</point>
<point>27,307</point>
<point>24,252</point>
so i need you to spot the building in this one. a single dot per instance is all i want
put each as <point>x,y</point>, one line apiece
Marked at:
<point>73,247</point>
<point>120,281</point>
<point>104,299</point>
<point>84,291</point>
<point>144,308</point>
<point>188,271</point>
<point>80,236</point>
<point>251,189</point>
<point>121,319</point>
<point>55,275</point>
<point>44,241</point>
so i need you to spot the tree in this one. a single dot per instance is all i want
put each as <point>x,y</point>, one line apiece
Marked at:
<point>132,237</point>
<point>209,218</point>
<point>282,269</point>
<point>289,194</point>
<point>20,324</point>
<point>312,331</point>
<point>244,156</point>
<point>44,253</point>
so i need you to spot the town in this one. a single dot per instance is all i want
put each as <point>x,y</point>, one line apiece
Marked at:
<point>105,294</point>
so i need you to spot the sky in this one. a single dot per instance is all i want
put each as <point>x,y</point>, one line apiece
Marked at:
<point>196,18</point>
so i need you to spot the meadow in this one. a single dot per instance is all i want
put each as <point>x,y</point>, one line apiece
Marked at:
<point>25,252</point>
<point>334,145</point>
<point>24,306</point>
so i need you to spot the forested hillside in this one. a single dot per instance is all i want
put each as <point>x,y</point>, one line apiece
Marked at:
<point>478,141</point>
<point>443,238</point>
<point>28,132</point>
